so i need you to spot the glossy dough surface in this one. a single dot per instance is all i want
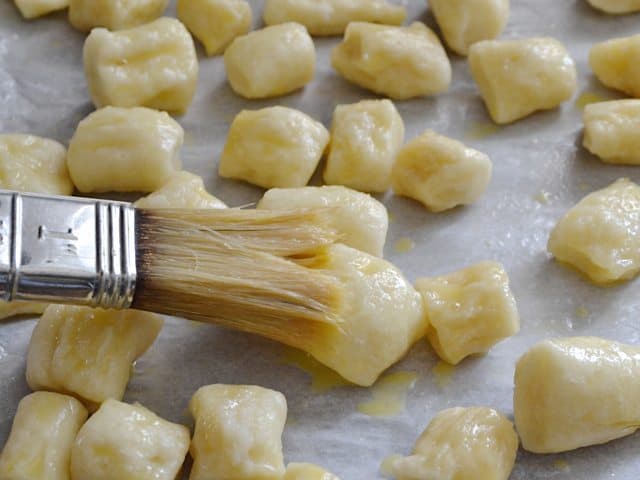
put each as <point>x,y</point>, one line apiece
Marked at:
<point>616,6</point>
<point>397,62</point>
<point>469,311</point>
<point>113,14</point>
<point>574,392</point>
<point>519,77</point>
<point>183,190</point>
<point>238,433</point>
<point>600,236</point>
<point>611,131</point>
<point>36,8</point>
<point>153,65</point>
<point>307,471</point>
<point>616,63</point>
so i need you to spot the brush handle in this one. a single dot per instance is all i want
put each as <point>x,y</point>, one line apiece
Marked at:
<point>67,250</point>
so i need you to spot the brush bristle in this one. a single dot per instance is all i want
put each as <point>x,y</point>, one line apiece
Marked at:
<point>230,267</point>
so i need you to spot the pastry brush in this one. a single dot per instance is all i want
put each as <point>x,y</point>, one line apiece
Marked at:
<point>230,267</point>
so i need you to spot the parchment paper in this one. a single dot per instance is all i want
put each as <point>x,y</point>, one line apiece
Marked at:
<point>43,91</point>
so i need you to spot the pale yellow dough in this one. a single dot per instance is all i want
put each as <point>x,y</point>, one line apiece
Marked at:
<point>612,131</point>
<point>88,352</point>
<point>307,471</point>
<point>153,65</point>
<point>440,172</point>
<point>36,8</point>
<point>125,150</point>
<point>600,236</point>
<point>465,22</point>
<point>43,431</point>
<point>616,63</point>
<point>469,311</point>
<point>33,164</point>
<point>273,147</point>
<point>360,220</point>
<point>128,442</point>
<point>462,444</point>
<point>184,190</point>
<point>331,17</point>
<point>574,392</point>
<point>114,14</point>
<point>616,6</point>
<point>215,22</point>
<point>270,62</point>
<point>398,62</point>
<point>238,433</point>
<point>365,138</point>
<point>382,315</point>
<point>519,77</point>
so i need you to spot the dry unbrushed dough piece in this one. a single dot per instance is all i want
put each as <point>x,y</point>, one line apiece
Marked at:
<point>307,471</point>
<point>125,150</point>
<point>128,442</point>
<point>383,316</point>
<point>153,65</point>
<point>462,443</point>
<point>519,77</point>
<point>600,236</point>
<point>184,190</point>
<point>616,6</point>
<point>36,8</point>
<point>612,131</point>
<point>238,433</point>
<point>399,62</point>
<point>39,445</point>
<point>215,22</point>
<point>616,63</point>
<point>574,392</point>
<point>365,138</point>
<point>270,62</point>
<point>469,311</point>
<point>273,147</point>
<point>88,352</point>
<point>331,17</point>
<point>360,220</point>
<point>113,14</point>
<point>465,22</point>
<point>33,164</point>
<point>440,172</point>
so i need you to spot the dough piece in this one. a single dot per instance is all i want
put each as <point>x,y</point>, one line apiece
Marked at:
<point>611,131</point>
<point>128,442</point>
<point>519,77</point>
<point>600,235</point>
<point>154,65</point>
<point>36,8</point>
<point>331,17</point>
<point>574,392</point>
<point>307,471</point>
<point>271,62</point>
<point>398,62</point>
<point>39,445</point>
<point>616,6</point>
<point>125,150</point>
<point>273,147</point>
<point>440,172</point>
<point>465,22</point>
<point>238,433</point>
<point>365,138</point>
<point>184,190</point>
<point>13,309</point>
<point>383,316</point>
<point>469,311</point>
<point>88,352</point>
<point>33,164</point>
<point>462,443</point>
<point>360,220</point>
<point>114,14</point>
<point>215,22</point>
<point>616,63</point>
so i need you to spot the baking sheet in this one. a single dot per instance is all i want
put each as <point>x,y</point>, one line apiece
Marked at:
<point>540,170</point>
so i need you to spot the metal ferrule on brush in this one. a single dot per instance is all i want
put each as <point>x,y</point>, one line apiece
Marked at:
<point>67,250</point>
